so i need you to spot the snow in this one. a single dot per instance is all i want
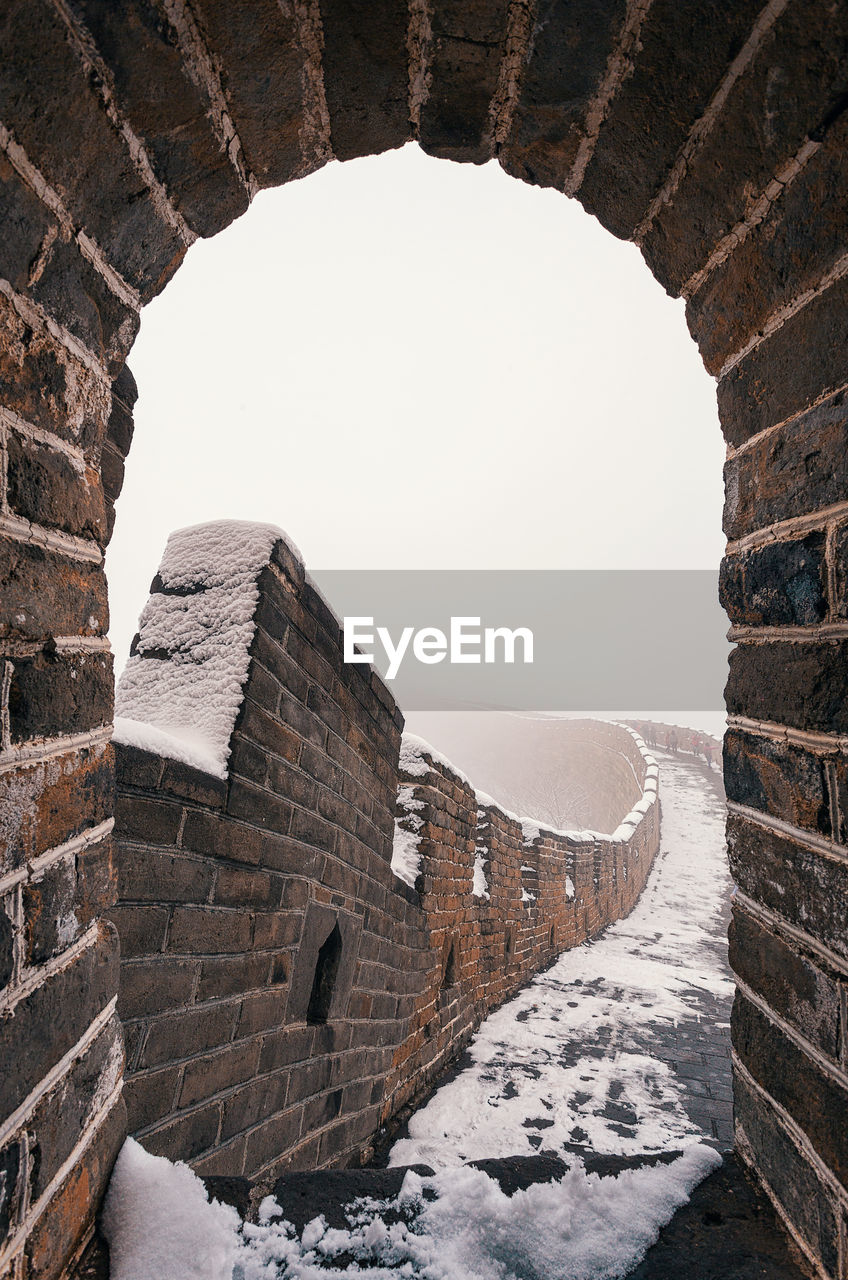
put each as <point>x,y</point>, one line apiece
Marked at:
<point>406,851</point>
<point>578,1037</point>
<point>456,1225</point>
<point>160,1224</point>
<point>479,884</point>
<point>184,705</point>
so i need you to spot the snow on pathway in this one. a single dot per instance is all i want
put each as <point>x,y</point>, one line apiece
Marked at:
<point>569,1061</point>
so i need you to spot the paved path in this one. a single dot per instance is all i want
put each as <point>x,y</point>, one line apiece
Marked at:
<point>622,1047</point>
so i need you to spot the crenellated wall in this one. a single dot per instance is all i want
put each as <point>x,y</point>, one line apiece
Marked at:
<point>230,887</point>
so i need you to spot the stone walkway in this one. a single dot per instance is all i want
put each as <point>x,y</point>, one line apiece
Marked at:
<point>622,1047</point>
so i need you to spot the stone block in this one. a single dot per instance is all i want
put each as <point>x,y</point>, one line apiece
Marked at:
<point>366,75</point>
<point>49,594</point>
<point>187,1032</point>
<point>807,888</point>
<point>209,931</point>
<point>59,120</point>
<point>55,693</point>
<point>50,923</point>
<point>52,1017</point>
<point>803,685</point>
<point>157,876</point>
<point>788,89</point>
<point>155,984</point>
<point>796,366</point>
<point>777,778</point>
<point>150,820</point>
<point>141,48</point>
<point>141,929</point>
<point>780,584</point>
<point>791,983</point>
<point>219,1071</point>
<point>46,804</point>
<point>815,1100</point>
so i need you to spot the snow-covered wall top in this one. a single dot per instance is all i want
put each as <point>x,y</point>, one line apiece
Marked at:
<point>181,689</point>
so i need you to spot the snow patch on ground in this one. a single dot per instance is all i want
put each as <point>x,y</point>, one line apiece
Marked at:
<point>160,1224</point>
<point>184,704</point>
<point>457,1225</point>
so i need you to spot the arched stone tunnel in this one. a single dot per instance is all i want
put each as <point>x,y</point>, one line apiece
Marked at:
<point>712,136</point>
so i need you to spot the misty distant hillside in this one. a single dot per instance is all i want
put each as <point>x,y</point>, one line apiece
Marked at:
<point>535,767</point>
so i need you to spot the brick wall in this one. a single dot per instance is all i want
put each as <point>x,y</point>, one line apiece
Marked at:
<point>230,891</point>
<point>711,136</point>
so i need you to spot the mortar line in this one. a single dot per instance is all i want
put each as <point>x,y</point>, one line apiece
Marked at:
<point>734,450</point>
<point>779,318</point>
<point>816,741</point>
<point>518,47</point>
<point>201,67</point>
<point>91,60</point>
<point>738,234</point>
<point>619,66</point>
<point>315,137</point>
<point>419,45</point>
<point>703,125</point>
<point>49,748</point>
<point>13,422</point>
<point>22,530</point>
<point>783,530</point>
<point>87,838</point>
<point>807,839</point>
<point>37,318</point>
<point>57,1071</point>
<point>743,634</point>
<point>37,183</point>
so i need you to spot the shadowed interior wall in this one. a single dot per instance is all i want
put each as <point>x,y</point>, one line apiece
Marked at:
<point>247,1050</point>
<point>711,136</point>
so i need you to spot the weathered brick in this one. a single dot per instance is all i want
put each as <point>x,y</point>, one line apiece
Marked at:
<point>154,875</point>
<point>59,121</point>
<point>183,780</point>
<point>790,983</point>
<point>47,386</point>
<point>150,1096</point>
<point>155,984</point>
<point>814,1099</point>
<point>147,819</point>
<point>141,929</point>
<point>61,1229</point>
<point>366,75</point>
<point>49,595</point>
<point>263,74</point>
<point>799,468</point>
<point>804,685</point>
<point>650,116</point>
<point>790,88</point>
<point>45,804</point>
<point>50,923</point>
<point>796,366</point>
<point>185,1137</point>
<point>781,584</point>
<point>259,807</point>
<point>72,291</point>
<point>258,1100</point>
<point>236,887</point>
<point>807,888</point>
<point>777,778</point>
<point>206,833</point>
<point>209,930</point>
<point>232,975</point>
<point>805,1201</point>
<point>187,1032</point>
<point>57,693</point>
<point>141,48</point>
<point>65,1110</point>
<point>51,1019</point>
<point>570,48</point>
<point>219,1071</point>
<point>788,253</point>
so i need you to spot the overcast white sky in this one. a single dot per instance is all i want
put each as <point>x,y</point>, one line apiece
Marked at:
<point>410,363</point>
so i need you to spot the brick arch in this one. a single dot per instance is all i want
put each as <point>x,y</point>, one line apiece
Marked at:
<point>711,136</point>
